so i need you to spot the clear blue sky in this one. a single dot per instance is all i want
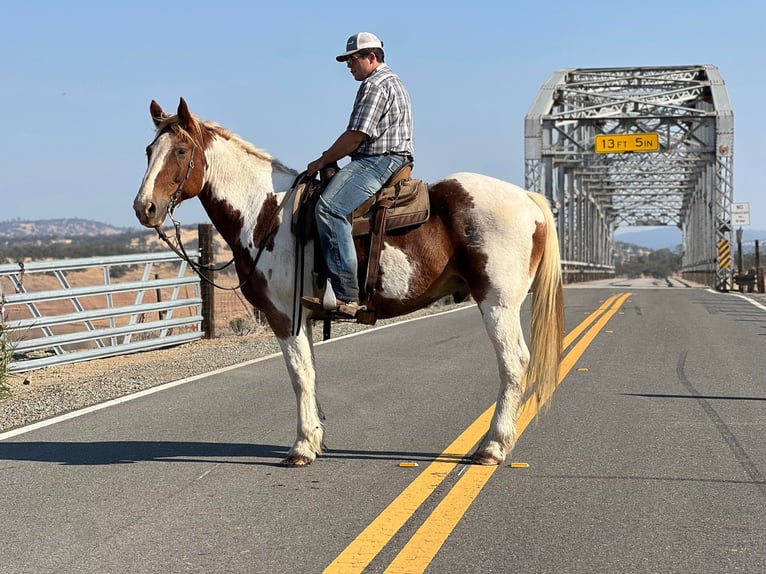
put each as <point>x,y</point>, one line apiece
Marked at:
<point>76,79</point>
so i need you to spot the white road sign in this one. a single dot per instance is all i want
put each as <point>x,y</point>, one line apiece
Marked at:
<point>740,213</point>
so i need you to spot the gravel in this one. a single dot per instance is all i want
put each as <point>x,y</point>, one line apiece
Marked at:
<point>51,391</point>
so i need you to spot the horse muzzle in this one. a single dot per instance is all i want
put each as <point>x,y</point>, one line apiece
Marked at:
<point>149,214</point>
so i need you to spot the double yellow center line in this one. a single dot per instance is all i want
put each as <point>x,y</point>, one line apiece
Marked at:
<point>425,543</point>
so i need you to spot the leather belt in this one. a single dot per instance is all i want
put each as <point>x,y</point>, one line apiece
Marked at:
<point>405,155</point>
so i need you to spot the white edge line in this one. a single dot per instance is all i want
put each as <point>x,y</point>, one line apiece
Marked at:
<point>165,386</point>
<point>748,299</point>
<point>745,297</point>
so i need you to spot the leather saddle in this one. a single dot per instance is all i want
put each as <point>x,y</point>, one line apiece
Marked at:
<point>401,203</point>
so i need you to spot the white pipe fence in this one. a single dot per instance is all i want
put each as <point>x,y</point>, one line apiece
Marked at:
<point>72,310</point>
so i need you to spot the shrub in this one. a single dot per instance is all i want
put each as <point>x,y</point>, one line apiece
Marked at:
<point>7,349</point>
<point>240,326</point>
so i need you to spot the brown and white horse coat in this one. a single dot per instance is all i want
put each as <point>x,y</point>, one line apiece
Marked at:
<point>485,238</point>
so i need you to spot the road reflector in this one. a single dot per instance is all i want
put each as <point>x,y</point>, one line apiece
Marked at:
<point>408,464</point>
<point>583,369</point>
<point>519,465</point>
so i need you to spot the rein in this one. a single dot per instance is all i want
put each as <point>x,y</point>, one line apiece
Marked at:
<point>179,249</point>
<point>199,269</point>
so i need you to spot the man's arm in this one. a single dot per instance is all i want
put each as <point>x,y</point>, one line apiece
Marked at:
<point>345,145</point>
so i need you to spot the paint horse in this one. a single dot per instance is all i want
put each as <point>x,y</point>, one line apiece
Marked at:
<point>485,238</point>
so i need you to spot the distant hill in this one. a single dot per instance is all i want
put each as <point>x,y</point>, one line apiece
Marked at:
<point>18,228</point>
<point>629,251</point>
<point>670,238</point>
<point>652,238</point>
<point>48,239</point>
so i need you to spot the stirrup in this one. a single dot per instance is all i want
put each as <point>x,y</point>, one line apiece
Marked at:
<point>349,310</point>
<point>341,309</point>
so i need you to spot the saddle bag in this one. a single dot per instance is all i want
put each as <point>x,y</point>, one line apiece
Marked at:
<point>405,199</point>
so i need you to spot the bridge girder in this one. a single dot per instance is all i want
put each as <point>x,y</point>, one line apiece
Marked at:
<point>688,182</point>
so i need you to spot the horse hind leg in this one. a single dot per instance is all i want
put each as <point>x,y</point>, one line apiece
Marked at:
<point>504,328</point>
<point>299,357</point>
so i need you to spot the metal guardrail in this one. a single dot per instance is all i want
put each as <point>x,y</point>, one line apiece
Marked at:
<point>579,271</point>
<point>113,312</point>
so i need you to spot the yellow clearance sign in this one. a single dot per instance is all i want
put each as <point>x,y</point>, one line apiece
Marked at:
<point>621,143</point>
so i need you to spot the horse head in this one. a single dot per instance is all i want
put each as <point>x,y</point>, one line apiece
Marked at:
<point>176,164</point>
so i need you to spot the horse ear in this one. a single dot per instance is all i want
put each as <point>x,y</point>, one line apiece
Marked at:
<point>184,114</point>
<point>156,112</point>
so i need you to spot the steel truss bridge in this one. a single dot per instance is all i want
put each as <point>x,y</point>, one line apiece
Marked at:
<point>665,140</point>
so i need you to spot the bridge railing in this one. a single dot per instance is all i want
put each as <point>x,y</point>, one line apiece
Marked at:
<point>74,310</point>
<point>579,271</point>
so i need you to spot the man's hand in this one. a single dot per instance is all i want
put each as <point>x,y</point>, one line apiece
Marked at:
<point>314,167</point>
<point>345,145</point>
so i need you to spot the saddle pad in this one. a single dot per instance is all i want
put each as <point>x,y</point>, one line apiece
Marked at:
<point>409,206</point>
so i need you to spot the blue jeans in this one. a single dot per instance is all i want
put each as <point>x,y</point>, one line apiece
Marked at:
<point>347,190</point>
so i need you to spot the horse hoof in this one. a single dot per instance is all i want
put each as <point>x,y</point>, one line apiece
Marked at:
<point>296,460</point>
<point>485,459</point>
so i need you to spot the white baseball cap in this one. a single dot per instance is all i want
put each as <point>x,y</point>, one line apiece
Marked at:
<point>360,41</point>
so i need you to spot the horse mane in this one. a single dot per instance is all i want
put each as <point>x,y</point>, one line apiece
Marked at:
<point>173,122</point>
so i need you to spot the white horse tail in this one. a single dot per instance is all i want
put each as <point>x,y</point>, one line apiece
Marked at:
<point>547,325</point>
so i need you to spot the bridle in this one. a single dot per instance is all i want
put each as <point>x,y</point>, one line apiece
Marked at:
<point>179,249</point>
<point>177,193</point>
<point>174,198</point>
<point>202,270</point>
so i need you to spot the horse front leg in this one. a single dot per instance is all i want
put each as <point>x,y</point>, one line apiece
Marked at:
<point>299,357</point>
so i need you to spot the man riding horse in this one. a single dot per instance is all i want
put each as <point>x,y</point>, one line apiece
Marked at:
<point>379,141</point>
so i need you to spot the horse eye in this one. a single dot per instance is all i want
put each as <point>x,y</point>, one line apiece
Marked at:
<point>180,152</point>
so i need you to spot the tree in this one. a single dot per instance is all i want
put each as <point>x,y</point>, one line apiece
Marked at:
<point>658,264</point>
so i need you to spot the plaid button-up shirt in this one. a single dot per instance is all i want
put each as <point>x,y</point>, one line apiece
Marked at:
<point>382,111</point>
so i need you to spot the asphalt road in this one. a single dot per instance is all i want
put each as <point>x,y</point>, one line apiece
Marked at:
<point>650,457</point>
